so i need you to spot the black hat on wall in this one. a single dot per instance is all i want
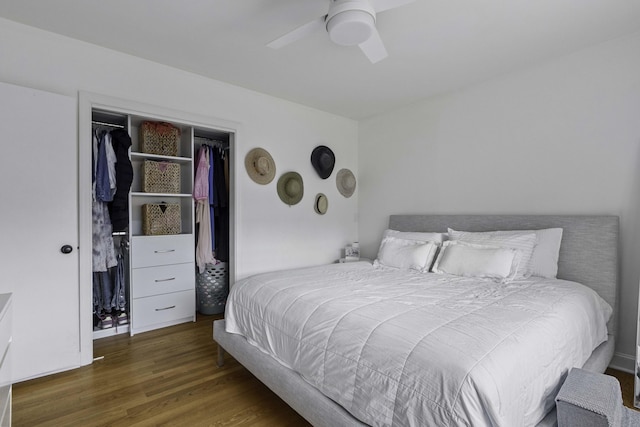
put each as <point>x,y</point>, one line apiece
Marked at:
<point>323,161</point>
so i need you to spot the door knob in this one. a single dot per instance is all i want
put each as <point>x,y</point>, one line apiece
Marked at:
<point>66,249</point>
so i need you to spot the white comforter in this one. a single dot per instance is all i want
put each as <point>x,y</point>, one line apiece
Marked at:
<point>416,349</point>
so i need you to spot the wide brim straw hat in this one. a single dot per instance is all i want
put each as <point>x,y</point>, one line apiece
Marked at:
<point>323,161</point>
<point>321,204</point>
<point>346,182</point>
<point>260,166</point>
<point>290,188</point>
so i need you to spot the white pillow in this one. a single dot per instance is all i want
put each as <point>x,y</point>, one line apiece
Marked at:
<point>544,260</point>
<point>416,235</point>
<point>545,255</point>
<point>471,260</point>
<point>406,254</point>
<point>524,241</point>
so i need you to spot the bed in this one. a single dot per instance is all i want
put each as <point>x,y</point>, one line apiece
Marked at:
<point>588,255</point>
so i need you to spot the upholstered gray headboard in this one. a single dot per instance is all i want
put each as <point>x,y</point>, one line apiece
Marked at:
<point>588,253</point>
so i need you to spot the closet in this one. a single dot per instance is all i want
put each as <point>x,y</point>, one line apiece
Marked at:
<point>157,257</point>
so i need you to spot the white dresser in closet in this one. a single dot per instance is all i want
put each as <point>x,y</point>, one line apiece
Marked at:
<point>5,362</point>
<point>162,281</point>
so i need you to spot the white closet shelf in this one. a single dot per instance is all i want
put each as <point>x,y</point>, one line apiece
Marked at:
<point>143,194</point>
<point>146,156</point>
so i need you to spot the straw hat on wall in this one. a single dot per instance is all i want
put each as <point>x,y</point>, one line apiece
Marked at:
<point>346,182</point>
<point>321,204</point>
<point>260,166</point>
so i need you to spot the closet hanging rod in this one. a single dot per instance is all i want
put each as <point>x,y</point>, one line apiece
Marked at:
<point>107,124</point>
<point>217,144</point>
<point>210,140</point>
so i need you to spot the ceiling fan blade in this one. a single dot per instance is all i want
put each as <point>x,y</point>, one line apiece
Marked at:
<point>382,5</point>
<point>374,48</point>
<point>298,33</point>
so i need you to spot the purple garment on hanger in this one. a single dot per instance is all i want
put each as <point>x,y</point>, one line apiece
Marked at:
<point>201,182</point>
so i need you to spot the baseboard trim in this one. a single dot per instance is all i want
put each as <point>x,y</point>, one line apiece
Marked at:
<point>623,362</point>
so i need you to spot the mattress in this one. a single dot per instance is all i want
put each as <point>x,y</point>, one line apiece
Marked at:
<point>405,348</point>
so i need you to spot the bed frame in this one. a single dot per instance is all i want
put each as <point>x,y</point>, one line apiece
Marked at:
<point>588,255</point>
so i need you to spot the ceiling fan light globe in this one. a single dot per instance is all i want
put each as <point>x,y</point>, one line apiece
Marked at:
<point>350,28</point>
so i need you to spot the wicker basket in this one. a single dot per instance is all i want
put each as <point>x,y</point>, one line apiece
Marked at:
<point>159,138</point>
<point>212,289</point>
<point>160,177</point>
<point>161,219</point>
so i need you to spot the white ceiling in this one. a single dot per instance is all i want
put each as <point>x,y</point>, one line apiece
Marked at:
<point>434,45</point>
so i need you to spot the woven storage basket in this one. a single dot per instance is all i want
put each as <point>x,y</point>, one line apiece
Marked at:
<point>212,288</point>
<point>161,218</point>
<point>159,138</point>
<point>160,177</point>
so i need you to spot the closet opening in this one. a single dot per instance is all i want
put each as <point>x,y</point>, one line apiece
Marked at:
<point>211,194</point>
<point>112,175</point>
<point>155,260</point>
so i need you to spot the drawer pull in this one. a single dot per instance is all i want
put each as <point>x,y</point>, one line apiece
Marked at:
<point>164,251</point>
<point>165,280</point>
<point>166,308</point>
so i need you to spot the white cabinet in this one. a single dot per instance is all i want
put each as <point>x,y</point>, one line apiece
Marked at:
<point>162,266</point>
<point>152,251</point>
<point>162,281</point>
<point>163,310</point>
<point>5,361</point>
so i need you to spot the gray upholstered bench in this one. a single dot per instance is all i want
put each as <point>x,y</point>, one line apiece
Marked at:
<point>588,399</point>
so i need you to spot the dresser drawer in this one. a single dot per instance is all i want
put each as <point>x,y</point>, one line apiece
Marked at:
<point>163,279</point>
<point>163,309</point>
<point>149,251</point>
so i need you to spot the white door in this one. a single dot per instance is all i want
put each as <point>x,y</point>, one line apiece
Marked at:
<point>38,217</point>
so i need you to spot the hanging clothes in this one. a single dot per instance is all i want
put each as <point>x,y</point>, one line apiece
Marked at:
<point>104,254</point>
<point>220,204</point>
<point>112,175</point>
<point>212,199</point>
<point>102,181</point>
<point>119,206</point>
<point>102,292</point>
<point>204,252</point>
<point>119,301</point>
<point>212,212</point>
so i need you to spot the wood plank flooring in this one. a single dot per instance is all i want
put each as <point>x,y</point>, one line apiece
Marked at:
<point>167,377</point>
<point>164,377</point>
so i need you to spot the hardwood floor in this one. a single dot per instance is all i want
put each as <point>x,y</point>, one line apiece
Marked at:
<point>165,377</point>
<point>626,384</point>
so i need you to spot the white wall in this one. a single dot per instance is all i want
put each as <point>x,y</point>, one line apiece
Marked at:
<point>271,235</point>
<point>561,138</point>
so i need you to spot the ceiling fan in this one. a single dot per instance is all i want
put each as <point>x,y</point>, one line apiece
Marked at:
<point>349,23</point>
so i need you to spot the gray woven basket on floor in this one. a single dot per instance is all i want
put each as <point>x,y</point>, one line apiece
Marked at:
<point>212,289</point>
